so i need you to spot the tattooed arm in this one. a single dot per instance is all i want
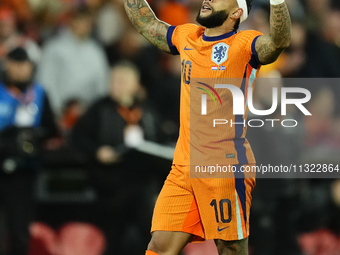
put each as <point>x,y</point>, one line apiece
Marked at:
<point>145,21</point>
<point>269,47</point>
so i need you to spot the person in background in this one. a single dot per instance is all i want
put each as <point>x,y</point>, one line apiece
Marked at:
<point>73,65</point>
<point>10,37</point>
<point>166,99</point>
<point>107,134</point>
<point>21,9</point>
<point>111,24</point>
<point>26,122</point>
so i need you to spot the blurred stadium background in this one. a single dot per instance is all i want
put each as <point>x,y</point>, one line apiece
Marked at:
<point>90,188</point>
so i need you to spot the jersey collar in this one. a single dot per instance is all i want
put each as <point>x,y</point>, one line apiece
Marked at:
<point>218,38</point>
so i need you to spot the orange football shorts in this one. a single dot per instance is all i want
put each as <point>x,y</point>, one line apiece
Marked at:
<point>207,208</point>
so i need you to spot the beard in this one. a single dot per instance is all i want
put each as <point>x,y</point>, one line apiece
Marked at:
<point>21,85</point>
<point>215,19</point>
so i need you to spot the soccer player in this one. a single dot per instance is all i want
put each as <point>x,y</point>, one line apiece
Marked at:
<point>198,209</point>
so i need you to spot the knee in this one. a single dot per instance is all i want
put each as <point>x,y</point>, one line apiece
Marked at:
<point>239,247</point>
<point>168,242</point>
<point>157,247</point>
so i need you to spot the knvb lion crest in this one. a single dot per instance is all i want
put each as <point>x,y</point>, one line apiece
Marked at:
<point>219,53</point>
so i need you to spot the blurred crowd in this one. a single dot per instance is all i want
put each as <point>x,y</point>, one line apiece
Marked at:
<point>88,106</point>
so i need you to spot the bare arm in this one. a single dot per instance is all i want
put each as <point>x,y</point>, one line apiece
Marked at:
<point>269,47</point>
<point>146,23</point>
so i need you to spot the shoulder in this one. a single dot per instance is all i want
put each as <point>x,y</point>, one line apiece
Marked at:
<point>38,86</point>
<point>189,28</point>
<point>39,89</point>
<point>245,40</point>
<point>183,32</point>
<point>248,34</point>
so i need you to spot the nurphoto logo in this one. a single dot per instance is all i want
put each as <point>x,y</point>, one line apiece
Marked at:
<point>240,104</point>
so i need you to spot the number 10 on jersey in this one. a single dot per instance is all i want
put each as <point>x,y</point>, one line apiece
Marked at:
<point>220,209</point>
<point>186,70</point>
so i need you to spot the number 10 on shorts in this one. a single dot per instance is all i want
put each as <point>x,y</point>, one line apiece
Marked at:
<point>220,208</point>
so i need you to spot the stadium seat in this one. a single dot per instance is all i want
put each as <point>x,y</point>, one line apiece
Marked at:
<point>72,239</point>
<point>43,241</point>
<point>320,242</point>
<point>81,239</point>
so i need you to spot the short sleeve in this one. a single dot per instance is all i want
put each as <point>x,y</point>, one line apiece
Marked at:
<point>251,36</point>
<point>171,37</point>
<point>254,52</point>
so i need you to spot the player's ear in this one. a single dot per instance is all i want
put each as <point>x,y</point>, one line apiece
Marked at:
<point>237,14</point>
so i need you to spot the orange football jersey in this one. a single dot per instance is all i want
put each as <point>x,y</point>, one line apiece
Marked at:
<point>207,61</point>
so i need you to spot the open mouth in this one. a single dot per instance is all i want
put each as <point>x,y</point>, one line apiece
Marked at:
<point>206,7</point>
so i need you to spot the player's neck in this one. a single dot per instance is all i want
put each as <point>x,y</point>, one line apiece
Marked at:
<point>217,31</point>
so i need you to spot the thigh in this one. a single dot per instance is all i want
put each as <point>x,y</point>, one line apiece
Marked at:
<point>224,206</point>
<point>176,208</point>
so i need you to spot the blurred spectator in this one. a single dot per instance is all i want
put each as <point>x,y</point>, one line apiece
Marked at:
<point>318,126</point>
<point>267,207</point>
<point>166,98</point>
<point>73,65</point>
<point>296,9</point>
<point>317,12</point>
<point>140,52</point>
<point>293,60</point>
<point>129,46</point>
<point>111,22</point>
<point>258,21</point>
<point>21,9</point>
<point>322,57</point>
<point>331,28</point>
<point>10,37</point>
<point>105,133</point>
<point>123,114</point>
<point>48,14</point>
<point>26,122</point>
<point>92,4</point>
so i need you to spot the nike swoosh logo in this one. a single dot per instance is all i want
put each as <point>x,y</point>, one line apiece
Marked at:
<point>220,229</point>
<point>185,48</point>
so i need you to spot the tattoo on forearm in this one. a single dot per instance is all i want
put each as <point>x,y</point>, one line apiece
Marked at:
<point>272,45</point>
<point>144,20</point>
<point>280,24</point>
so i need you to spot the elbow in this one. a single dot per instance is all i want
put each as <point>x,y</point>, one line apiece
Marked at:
<point>284,43</point>
<point>280,47</point>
